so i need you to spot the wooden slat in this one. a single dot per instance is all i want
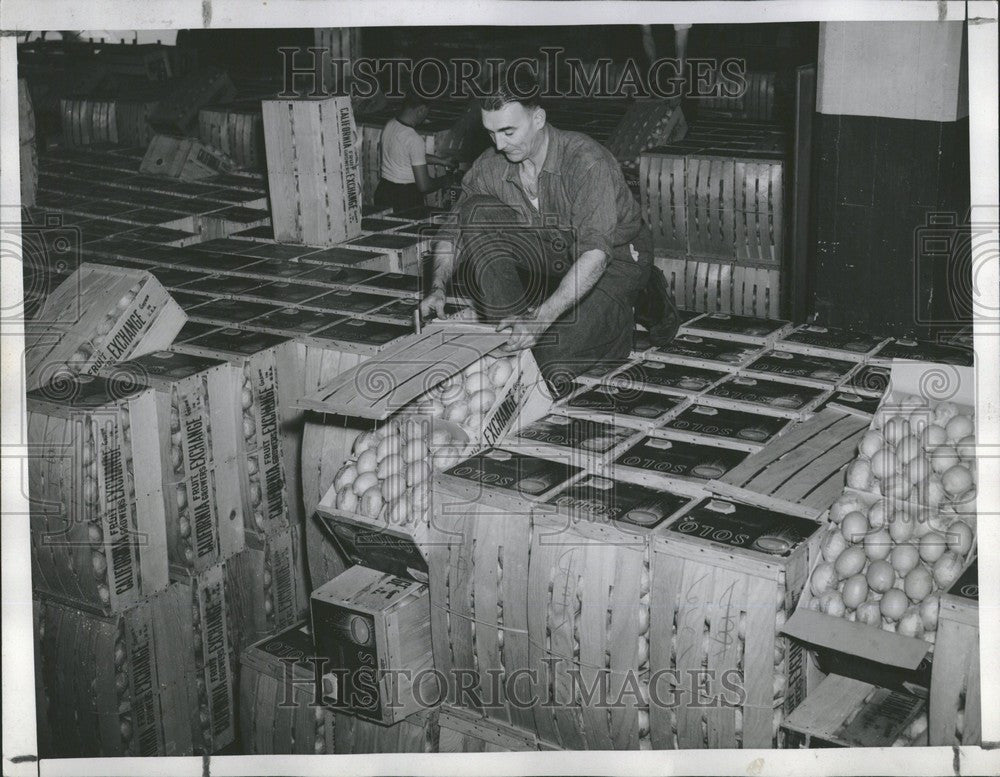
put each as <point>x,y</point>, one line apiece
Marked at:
<point>624,606</point>
<point>593,624</point>
<point>515,597</point>
<point>484,585</point>
<point>666,572</point>
<point>758,710</point>
<point>730,591</point>
<point>695,598</point>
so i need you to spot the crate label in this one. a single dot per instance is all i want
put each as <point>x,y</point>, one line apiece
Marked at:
<point>833,338</point>
<point>355,330</point>
<point>766,392</point>
<point>967,585</point>
<point>199,467</point>
<point>343,276</point>
<point>727,424</point>
<point>239,342</point>
<point>748,326</point>
<point>707,349</point>
<point>230,311</point>
<point>512,471</point>
<point>924,351</point>
<point>870,379</point>
<point>282,565</point>
<point>350,301</point>
<point>801,366</point>
<point>294,320</point>
<point>619,401</point>
<point>395,281</point>
<point>369,547</point>
<point>115,512</point>
<point>296,643</point>
<point>598,498</point>
<point>266,440</point>
<point>882,720</point>
<point>576,433</point>
<point>145,707</point>
<point>846,400</point>
<point>672,376</point>
<point>211,601</point>
<point>392,241</point>
<point>680,459</point>
<point>125,336</point>
<point>744,526</point>
<point>347,638</point>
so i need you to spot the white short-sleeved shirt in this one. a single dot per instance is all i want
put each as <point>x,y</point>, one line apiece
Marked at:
<point>402,148</point>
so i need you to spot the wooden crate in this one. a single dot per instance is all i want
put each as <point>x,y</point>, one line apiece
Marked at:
<point>183,158</point>
<point>365,621</point>
<point>404,251</point>
<point>97,511</point>
<point>589,611</point>
<point>269,669</point>
<point>803,369</point>
<point>767,397</point>
<point>583,442</point>
<point>194,633</point>
<point>371,158</point>
<point>708,425</point>
<point>264,592</point>
<point>720,286</point>
<point>88,120</point>
<point>313,161</point>
<point>710,203</point>
<point>830,342</point>
<point>955,700</point>
<point>43,730</point>
<point>678,465</point>
<point>114,685</point>
<point>97,317</point>
<point>132,120</point>
<point>197,426</point>
<point>845,712</point>
<point>637,408</point>
<point>658,375</point>
<point>801,472</point>
<point>479,568</point>
<point>716,572</point>
<point>706,352</point>
<point>645,124</point>
<point>237,130</point>
<point>267,386</point>
<point>178,111</point>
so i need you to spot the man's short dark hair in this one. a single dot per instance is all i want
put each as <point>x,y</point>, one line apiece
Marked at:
<point>512,86</point>
<point>412,99</point>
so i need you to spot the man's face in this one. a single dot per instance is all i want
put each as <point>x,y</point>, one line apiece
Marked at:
<point>515,130</point>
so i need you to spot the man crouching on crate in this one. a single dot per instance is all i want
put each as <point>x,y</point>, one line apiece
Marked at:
<point>550,243</point>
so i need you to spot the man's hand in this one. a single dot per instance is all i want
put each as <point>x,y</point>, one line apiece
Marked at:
<point>433,301</point>
<point>524,331</point>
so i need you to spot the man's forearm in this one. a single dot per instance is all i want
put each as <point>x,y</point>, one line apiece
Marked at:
<point>581,278</point>
<point>444,264</point>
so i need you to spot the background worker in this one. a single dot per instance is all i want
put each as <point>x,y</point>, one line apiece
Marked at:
<point>549,240</point>
<point>404,178</point>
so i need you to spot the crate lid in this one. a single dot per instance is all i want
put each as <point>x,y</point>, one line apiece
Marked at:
<point>393,378</point>
<point>373,545</point>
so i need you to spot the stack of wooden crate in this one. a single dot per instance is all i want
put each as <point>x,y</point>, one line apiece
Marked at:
<point>715,205</point>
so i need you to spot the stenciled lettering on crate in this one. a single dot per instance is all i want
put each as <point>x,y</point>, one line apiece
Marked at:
<point>97,317</point>
<point>314,171</point>
<point>196,423</point>
<point>97,508</point>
